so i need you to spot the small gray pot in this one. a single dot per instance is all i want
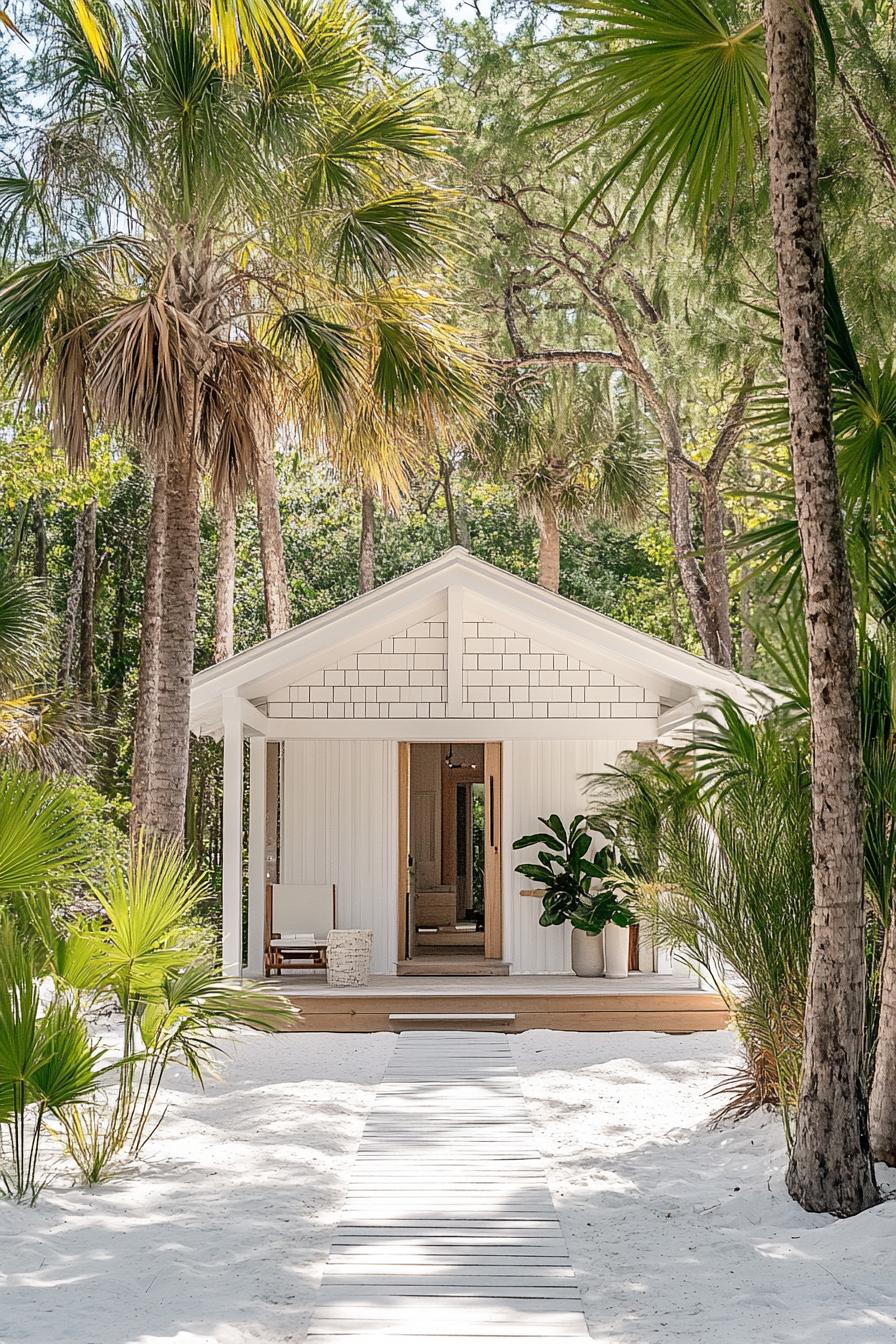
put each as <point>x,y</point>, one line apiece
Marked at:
<point>587,953</point>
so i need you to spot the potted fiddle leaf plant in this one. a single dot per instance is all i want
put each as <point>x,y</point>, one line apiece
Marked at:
<point>579,889</point>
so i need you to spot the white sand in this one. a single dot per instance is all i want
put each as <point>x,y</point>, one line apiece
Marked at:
<point>222,1236</point>
<point>681,1232</point>
<point>677,1232</point>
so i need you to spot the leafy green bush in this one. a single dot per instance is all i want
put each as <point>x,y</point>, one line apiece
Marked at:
<point>146,954</point>
<point>718,833</point>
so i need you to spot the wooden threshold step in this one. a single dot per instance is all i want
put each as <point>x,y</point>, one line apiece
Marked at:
<point>411,1019</point>
<point>452,966</point>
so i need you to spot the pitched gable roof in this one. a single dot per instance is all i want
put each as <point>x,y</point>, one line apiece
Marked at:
<point>490,592</point>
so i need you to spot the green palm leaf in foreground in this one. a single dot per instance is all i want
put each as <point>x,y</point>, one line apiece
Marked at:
<point>688,88</point>
<point>47,1061</point>
<point>42,840</point>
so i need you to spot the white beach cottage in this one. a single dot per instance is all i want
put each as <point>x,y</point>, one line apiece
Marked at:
<point>400,743</point>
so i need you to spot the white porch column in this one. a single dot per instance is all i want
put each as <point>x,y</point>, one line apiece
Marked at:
<point>258,778</point>
<point>232,848</point>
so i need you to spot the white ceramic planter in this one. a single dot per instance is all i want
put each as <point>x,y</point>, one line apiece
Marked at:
<point>616,952</point>
<point>587,953</point>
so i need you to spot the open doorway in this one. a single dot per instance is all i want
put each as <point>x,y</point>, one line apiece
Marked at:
<point>451,917</point>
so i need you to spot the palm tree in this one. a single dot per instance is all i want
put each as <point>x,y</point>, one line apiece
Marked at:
<point>574,452</point>
<point>243,260</point>
<point>693,91</point>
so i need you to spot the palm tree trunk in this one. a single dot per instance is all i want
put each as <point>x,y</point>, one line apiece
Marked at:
<point>225,580</point>
<point>116,672</point>
<point>273,563</point>
<point>548,547</point>
<point>882,1111</point>
<point>70,620</point>
<point>147,713</point>
<point>367,549</point>
<point>88,608</point>
<point>830,1165</point>
<point>166,794</point>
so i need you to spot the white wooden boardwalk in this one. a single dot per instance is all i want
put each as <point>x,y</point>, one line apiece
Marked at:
<point>448,1232</point>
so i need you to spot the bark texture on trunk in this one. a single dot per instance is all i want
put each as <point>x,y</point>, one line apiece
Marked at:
<point>830,1166</point>
<point>882,1114</point>
<point>715,569</point>
<point>549,547</point>
<point>166,793</point>
<point>88,608</point>
<point>273,563</point>
<point>71,619</point>
<point>116,671</point>
<point>693,579</point>
<point>225,581</point>
<point>367,549</point>
<point>147,714</point>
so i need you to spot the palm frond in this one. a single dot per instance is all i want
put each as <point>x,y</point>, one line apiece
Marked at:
<point>328,354</point>
<point>688,89</point>
<point>395,232</point>
<point>42,838</point>
<point>236,408</point>
<point>422,365</point>
<point>24,212</point>
<point>25,624</point>
<point>148,356</point>
<point>354,147</point>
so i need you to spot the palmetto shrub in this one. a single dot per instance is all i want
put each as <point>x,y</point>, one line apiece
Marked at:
<point>720,832</point>
<point>147,956</point>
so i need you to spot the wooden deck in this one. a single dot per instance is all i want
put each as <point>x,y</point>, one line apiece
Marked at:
<point>448,1232</point>
<point>672,1003</point>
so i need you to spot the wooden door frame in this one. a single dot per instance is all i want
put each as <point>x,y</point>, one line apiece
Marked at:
<point>494,859</point>
<point>404,844</point>
<point>494,817</point>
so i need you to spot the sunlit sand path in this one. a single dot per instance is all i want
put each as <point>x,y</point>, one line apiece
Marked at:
<point>448,1230</point>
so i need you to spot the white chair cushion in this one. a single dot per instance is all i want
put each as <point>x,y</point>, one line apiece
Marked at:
<point>301,906</point>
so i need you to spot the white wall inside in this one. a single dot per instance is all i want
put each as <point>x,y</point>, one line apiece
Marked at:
<point>340,824</point>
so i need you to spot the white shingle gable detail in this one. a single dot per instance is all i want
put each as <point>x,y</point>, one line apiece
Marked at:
<point>508,675</point>
<point>404,676</point>
<point>504,674</point>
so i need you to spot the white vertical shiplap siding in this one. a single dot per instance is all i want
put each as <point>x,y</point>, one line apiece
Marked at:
<point>540,778</point>
<point>340,824</point>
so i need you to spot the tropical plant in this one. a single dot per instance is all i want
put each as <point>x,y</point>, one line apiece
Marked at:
<point>172,317</point>
<point>569,875</point>
<point>43,845</point>
<point>694,89</point>
<point>716,843</point>
<point>47,1061</point>
<point>148,954</point>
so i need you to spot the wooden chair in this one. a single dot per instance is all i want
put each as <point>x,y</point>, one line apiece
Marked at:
<point>297,919</point>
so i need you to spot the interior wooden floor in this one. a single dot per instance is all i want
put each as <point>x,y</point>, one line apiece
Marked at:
<point>670,1003</point>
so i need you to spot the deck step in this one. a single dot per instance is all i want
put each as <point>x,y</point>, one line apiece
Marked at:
<point>455,1019</point>
<point>452,966</point>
